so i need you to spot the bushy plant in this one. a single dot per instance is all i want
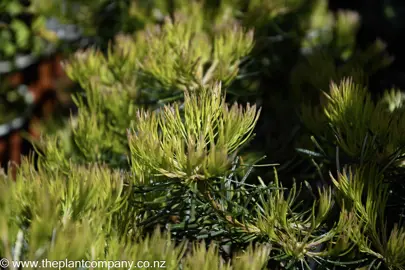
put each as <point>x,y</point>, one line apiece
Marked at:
<point>161,161</point>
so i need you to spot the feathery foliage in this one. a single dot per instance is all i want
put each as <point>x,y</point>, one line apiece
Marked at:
<point>178,119</point>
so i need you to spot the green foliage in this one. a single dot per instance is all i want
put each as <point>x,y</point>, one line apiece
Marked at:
<point>20,36</point>
<point>196,148</point>
<point>178,56</point>
<point>161,163</point>
<point>23,37</point>
<point>372,236</point>
<point>365,130</point>
<point>68,214</point>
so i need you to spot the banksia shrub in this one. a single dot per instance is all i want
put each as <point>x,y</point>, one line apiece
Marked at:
<point>230,135</point>
<point>197,148</point>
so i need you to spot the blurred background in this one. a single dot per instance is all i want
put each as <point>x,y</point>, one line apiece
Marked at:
<point>37,35</point>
